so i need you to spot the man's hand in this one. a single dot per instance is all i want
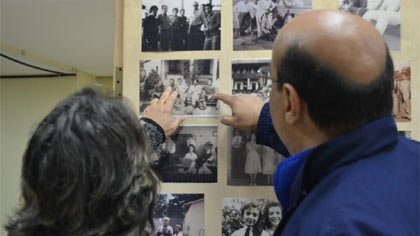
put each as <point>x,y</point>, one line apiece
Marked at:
<point>245,111</point>
<point>160,111</point>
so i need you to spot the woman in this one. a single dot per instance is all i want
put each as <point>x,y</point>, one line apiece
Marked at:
<point>272,217</point>
<point>191,158</point>
<point>269,164</point>
<point>252,163</point>
<point>85,170</point>
<point>252,219</point>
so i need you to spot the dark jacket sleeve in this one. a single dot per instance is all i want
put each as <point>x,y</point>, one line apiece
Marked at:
<point>153,132</point>
<point>266,135</point>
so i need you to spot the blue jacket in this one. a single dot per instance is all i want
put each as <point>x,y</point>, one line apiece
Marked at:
<point>366,182</point>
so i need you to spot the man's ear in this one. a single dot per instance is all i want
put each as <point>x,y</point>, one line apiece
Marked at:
<point>292,104</point>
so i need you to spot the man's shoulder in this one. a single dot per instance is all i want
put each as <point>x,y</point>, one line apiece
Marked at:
<point>358,198</point>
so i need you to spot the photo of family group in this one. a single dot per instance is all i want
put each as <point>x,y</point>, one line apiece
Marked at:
<point>257,217</point>
<point>383,14</point>
<point>182,25</point>
<point>195,81</point>
<point>402,91</point>
<point>256,22</point>
<point>189,156</point>
<point>179,214</point>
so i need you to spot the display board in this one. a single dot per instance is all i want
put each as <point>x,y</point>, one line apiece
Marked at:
<point>235,61</point>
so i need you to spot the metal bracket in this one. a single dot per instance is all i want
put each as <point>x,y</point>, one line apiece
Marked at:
<point>118,82</point>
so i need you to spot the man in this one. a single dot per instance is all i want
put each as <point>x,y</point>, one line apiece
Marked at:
<point>264,7</point>
<point>348,172</point>
<point>176,44</point>
<point>196,37</point>
<point>150,31</point>
<point>165,229</point>
<point>211,29</point>
<point>208,91</point>
<point>164,23</point>
<point>178,230</point>
<point>183,24</point>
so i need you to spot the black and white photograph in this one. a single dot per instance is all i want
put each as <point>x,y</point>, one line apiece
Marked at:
<point>250,163</point>
<point>383,14</point>
<point>189,156</point>
<point>402,91</point>
<point>180,25</point>
<point>405,133</point>
<point>196,82</point>
<point>179,214</point>
<point>256,22</point>
<point>252,77</point>
<point>258,217</point>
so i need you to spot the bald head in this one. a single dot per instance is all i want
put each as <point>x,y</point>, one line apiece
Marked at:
<point>340,67</point>
<point>346,43</point>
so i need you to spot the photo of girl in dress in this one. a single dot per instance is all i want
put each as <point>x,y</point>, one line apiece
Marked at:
<point>253,162</point>
<point>250,163</point>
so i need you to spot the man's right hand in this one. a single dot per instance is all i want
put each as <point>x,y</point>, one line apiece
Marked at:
<point>245,111</point>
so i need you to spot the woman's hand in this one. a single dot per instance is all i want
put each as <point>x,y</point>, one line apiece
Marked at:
<point>160,111</point>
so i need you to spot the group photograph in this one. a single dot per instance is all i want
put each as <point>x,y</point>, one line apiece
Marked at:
<point>256,22</point>
<point>180,25</point>
<point>195,81</point>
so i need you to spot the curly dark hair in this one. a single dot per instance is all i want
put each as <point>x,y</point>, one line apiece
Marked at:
<point>266,215</point>
<point>85,172</point>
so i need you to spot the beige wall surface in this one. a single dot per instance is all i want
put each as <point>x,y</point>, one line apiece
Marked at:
<point>214,193</point>
<point>23,104</point>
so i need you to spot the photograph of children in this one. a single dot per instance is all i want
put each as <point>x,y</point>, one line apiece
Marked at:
<point>402,91</point>
<point>257,217</point>
<point>179,214</point>
<point>196,82</point>
<point>250,163</point>
<point>189,156</point>
<point>185,25</point>
<point>384,14</point>
<point>256,22</point>
<point>406,134</point>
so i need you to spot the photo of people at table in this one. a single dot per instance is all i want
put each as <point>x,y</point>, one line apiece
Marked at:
<point>189,156</point>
